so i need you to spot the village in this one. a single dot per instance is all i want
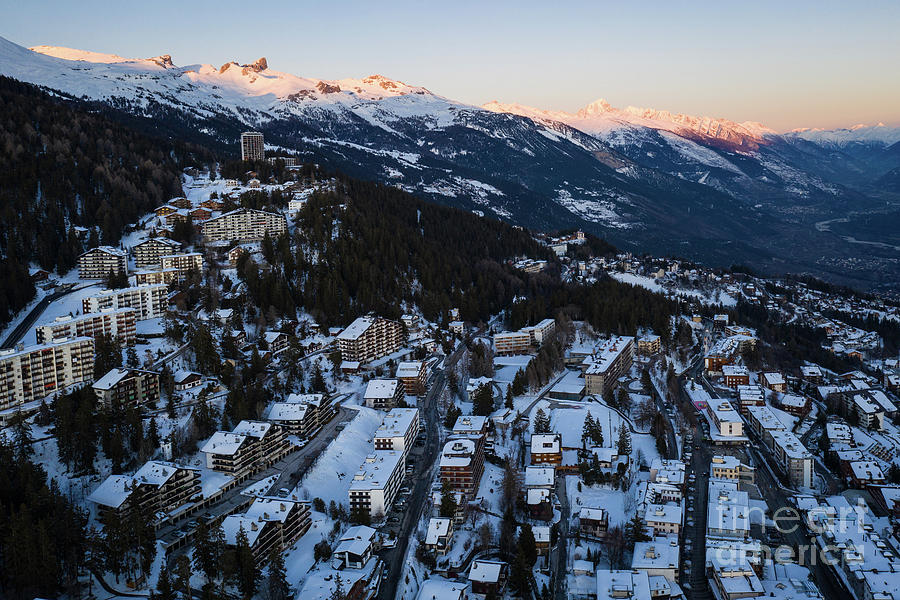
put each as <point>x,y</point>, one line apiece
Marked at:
<point>414,459</point>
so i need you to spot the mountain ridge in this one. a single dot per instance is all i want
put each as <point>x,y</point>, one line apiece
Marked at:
<point>649,180</point>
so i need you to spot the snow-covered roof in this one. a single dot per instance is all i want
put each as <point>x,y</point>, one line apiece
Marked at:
<point>409,368</point>
<point>256,429</point>
<point>438,527</point>
<point>441,589</point>
<point>382,388</point>
<point>545,443</point>
<point>664,513</point>
<point>113,492</point>
<point>538,476</point>
<point>105,249</point>
<point>357,540</point>
<point>457,453</point>
<point>288,411</point>
<point>469,424</point>
<point>109,381</point>
<point>486,571</point>
<point>356,328</point>
<point>376,470</point>
<point>397,422</point>
<point>223,443</point>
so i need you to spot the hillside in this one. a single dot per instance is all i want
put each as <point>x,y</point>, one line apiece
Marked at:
<point>72,179</point>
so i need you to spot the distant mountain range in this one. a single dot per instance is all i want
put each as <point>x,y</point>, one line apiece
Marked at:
<point>649,180</point>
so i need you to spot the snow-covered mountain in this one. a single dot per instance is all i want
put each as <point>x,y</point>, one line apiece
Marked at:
<point>655,180</point>
<point>877,135</point>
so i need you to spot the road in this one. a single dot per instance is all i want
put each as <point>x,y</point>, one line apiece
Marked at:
<point>774,494</point>
<point>22,328</point>
<point>395,558</point>
<point>558,558</point>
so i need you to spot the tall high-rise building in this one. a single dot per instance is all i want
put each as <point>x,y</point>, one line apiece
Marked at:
<point>252,146</point>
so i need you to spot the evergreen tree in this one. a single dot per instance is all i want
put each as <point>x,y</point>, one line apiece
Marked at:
<point>277,587</point>
<point>636,530</point>
<point>541,422</point>
<point>240,566</point>
<point>623,445</point>
<point>483,402</point>
<point>509,397</point>
<point>527,545</point>
<point>448,500</point>
<point>164,588</point>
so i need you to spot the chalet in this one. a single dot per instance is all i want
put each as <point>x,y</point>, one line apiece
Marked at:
<point>593,522</point>
<point>488,576</point>
<point>356,547</point>
<point>439,535</point>
<point>185,380</point>
<point>546,449</point>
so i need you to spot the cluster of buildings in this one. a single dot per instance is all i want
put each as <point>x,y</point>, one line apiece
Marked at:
<point>377,482</point>
<point>524,340</point>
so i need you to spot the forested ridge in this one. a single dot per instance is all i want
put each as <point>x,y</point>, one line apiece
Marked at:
<point>369,247</point>
<point>67,166</point>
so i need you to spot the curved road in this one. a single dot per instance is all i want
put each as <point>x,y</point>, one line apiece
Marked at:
<point>22,328</point>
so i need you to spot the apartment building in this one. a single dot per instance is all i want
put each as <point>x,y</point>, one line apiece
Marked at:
<point>721,354</point>
<point>750,395</point>
<point>512,342</point>
<point>546,449</point>
<point>182,263</point>
<point>369,338</point>
<point>773,381</point>
<point>735,375</point>
<point>269,524</point>
<point>664,519</point>
<point>793,458</point>
<point>727,512</point>
<point>158,491</point>
<point>118,323</point>
<point>727,420</point>
<point>376,483</point>
<point>252,146</point>
<point>609,361</point>
<point>462,463</point>
<point>658,557</point>
<point>593,521</point>
<point>729,467</point>
<point>148,301</point>
<point>127,387</point>
<point>358,544</point>
<point>525,339</point>
<point>412,375</point>
<point>98,263</point>
<point>439,535</point>
<point>383,394</point>
<point>31,373</point>
<point>156,276</point>
<point>398,431</point>
<point>649,344</point>
<point>302,414</point>
<point>250,447</point>
<point>244,225</point>
<point>149,252</point>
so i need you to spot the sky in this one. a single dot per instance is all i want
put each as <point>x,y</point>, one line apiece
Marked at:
<point>787,64</point>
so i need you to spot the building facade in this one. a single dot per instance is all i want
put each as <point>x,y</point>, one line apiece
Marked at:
<point>98,263</point>
<point>244,225</point>
<point>148,301</point>
<point>369,338</point>
<point>252,146</point>
<point>118,324</point>
<point>149,252</point>
<point>32,373</point>
<point>127,387</point>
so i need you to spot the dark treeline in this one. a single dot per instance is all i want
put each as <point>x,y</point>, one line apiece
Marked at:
<point>42,542</point>
<point>65,167</point>
<point>790,344</point>
<point>608,305</point>
<point>372,247</point>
